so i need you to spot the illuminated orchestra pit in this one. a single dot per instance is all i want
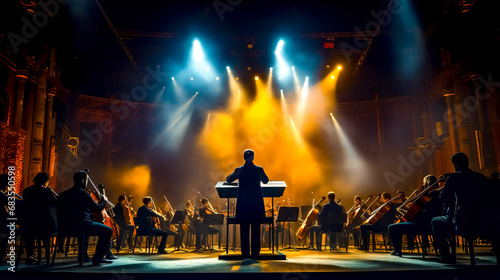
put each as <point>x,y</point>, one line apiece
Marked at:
<point>148,139</point>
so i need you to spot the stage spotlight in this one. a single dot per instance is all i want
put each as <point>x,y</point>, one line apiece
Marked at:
<point>217,78</point>
<point>237,78</point>
<point>227,67</point>
<point>256,78</point>
<point>327,66</point>
<point>191,78</point>
<point>293,67</point>
<point>173,79</point>
<point>197,51</point>
<point>249,68</point>
<point>339,67</point>
<point>333,77</point>
<point>279,47</point>
<point>271,68</point>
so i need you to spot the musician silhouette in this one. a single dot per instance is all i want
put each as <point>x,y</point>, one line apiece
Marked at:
<point>250,202</point>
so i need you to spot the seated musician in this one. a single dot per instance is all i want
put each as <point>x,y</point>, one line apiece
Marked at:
<point>330,207</point>
<point>202,230</point>
<point>463,193</point>
<point>381,224</point>
<point>125,226</point>
<point>75,206</point>
<point>421,223</point>
<point>250,203</point>
<point>39,202</point>
<point>145,226</point>
<point>350,227</point>
<point>130,200</point>
<point>401,198</point>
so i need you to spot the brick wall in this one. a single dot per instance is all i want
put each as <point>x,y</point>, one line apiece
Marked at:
<point>12,152</point>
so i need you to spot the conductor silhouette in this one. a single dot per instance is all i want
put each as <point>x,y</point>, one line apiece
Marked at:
<point>250,203</point>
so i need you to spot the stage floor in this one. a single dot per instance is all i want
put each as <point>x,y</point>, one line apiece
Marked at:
<point>299,265</point>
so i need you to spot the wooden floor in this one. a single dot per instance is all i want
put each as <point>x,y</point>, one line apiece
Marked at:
<point>299,265</point>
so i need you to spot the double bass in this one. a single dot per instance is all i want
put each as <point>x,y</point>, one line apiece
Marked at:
<point>303,231</point>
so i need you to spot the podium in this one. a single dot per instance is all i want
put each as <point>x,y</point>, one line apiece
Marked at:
<point>272,189</point>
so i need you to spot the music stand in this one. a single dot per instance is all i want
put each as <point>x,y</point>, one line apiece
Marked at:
<point>178,218</point>
<point>288,214</point>
<point>213,219</point>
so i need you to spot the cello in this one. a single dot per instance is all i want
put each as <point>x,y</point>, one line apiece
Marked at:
<point>366,214</point>
<point>354,216</point>
<point>103,217</point>
<point>417,204</point>
<point>379,212</point>
<point>127,213</point>
<point>303,231</point>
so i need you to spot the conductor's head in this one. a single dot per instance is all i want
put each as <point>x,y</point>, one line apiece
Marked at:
<point>248,155</point>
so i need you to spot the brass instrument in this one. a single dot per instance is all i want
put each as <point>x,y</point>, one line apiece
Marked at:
<point>211,208</point>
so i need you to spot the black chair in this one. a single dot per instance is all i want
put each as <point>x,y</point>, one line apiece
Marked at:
<point>372,234</point>
<point>62,238</point>
<point>47,242</point>
<point>336,225</point>
<point>150,241</point>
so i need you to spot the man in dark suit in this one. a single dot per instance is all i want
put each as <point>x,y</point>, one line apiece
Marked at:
<point>73,213</point>
<point>144,225</point>
<point>463,194</point>
<point>250,203</point>
<point>328,208</point>
<point>37,220</point>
